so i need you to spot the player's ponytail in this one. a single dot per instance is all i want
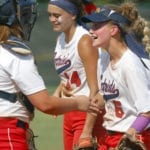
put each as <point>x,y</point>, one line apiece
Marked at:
<point>146,37</point>
<point>140,26</point>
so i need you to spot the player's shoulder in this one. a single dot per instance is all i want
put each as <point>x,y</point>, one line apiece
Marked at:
<point>16,46</point>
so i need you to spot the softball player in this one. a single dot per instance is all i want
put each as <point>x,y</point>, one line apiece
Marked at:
<point>78,75</point>
<point>21,86</point>
<point>125,82</point>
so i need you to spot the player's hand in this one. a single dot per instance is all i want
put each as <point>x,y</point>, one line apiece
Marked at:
<point>98,100</point>
<point>58,90</point>
<point>84,104</point>
<point>66,90</point>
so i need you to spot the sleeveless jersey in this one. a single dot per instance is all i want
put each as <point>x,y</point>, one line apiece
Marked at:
<point>69,65</point>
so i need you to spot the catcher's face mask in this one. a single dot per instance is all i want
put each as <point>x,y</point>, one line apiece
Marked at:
<point>23,12</point>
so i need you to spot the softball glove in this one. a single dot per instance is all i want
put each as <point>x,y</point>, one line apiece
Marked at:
<point>128,144</point>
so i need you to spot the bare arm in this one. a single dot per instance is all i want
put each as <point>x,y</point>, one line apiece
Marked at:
<point>55,106</point>
<point>89,56</point>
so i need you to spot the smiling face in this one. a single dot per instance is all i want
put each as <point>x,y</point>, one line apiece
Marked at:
<point>102,34</point>
<point>60,19</point>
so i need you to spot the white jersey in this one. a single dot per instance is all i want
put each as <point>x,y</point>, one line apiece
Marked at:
<point>68,63</point>
<point>126,88</point>
<point>17,73</point>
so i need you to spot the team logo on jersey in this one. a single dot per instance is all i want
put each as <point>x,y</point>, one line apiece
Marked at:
<point>62,64</point>
<point>110,89</point>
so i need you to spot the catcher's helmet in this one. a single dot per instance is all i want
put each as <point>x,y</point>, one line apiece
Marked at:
<point>23,12</point>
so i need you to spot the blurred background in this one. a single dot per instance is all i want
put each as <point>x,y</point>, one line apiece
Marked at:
<point>43,39</point>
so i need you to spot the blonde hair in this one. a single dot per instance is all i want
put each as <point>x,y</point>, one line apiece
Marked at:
<point>139,26</point>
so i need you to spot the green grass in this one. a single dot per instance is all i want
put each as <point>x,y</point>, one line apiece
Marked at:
<point>49,132</point>
<point>48,129</point>
<point>42,42</point>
